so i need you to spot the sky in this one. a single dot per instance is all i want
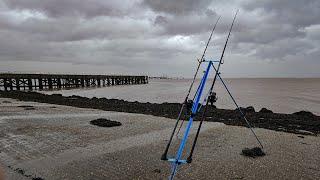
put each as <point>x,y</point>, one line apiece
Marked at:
<point>271,38</point>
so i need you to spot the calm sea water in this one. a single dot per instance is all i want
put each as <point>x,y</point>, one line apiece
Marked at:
<point>285,95</point>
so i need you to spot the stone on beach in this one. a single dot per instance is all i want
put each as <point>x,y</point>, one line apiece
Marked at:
<point>253,152</point>
<point>105,122</point>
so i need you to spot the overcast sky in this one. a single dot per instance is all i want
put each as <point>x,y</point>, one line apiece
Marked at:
<point>271,38</point>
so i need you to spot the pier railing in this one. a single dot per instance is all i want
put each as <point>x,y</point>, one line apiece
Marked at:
<point>11,82</point>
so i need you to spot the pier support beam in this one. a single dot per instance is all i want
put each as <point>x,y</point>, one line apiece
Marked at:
<point>30,84</point>
<point>82,82</point>
<point>40,84</point>
<point>50,83</point>
<point>5,84</point>
<point>59,83</point>
<point>17,84</point>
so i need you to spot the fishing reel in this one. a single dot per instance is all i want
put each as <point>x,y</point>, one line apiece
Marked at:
<point>212,98</point>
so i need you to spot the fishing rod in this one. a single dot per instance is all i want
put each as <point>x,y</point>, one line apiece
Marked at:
<point>189,159</point>
<point>201,60</point>
<point>164,155</point>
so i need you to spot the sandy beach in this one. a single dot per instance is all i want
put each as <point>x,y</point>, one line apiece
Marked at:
<point>155,89</point>
<point>58,142</point>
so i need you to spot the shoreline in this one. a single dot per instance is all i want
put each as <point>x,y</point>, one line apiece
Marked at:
<point>301,122</point>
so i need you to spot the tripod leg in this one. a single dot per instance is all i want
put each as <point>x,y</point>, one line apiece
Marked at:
<point>164,155</point>
<point>242,114</point>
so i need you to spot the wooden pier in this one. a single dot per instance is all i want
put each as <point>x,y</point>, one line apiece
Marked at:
<point>29,82</point>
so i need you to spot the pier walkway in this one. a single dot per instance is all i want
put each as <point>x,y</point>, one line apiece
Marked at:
<point>11,82</point>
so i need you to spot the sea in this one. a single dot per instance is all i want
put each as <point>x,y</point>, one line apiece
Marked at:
<point>282,95</point>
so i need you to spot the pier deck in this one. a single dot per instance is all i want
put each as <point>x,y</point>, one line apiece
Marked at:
<point>11,82</point>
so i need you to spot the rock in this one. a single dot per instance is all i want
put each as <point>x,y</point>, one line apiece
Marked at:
<point>29,108</point>
<point>265,110</point>
<point>304,113</point>
<point>20,171</point>
<point>242,109</point>
<point>250,109</point>
<point>37,178</point>
<point>57,95</point>
<point>25,106</point>
<point>253,152</point>
<point>105,122</point>
<point>157,170</point>
<point>213,106</point>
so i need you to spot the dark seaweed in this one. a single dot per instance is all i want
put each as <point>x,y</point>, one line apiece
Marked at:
<point>302,122</point>
<point>253,152</point>
<point>105,122</point>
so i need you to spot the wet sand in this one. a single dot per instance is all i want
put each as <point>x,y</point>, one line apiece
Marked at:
<point>58,142</point>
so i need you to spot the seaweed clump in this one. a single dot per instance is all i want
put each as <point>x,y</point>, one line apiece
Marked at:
<point>105,122</point>
<point>253,152</point>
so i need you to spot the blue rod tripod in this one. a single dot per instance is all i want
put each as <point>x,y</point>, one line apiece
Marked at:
<point>175,162</point>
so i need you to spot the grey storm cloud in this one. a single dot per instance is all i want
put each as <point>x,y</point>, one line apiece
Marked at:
<point>282,29</point>
<point>178,7</point>
<point>61,8</point>
<point>156,36</point>
<point>296,13</point>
